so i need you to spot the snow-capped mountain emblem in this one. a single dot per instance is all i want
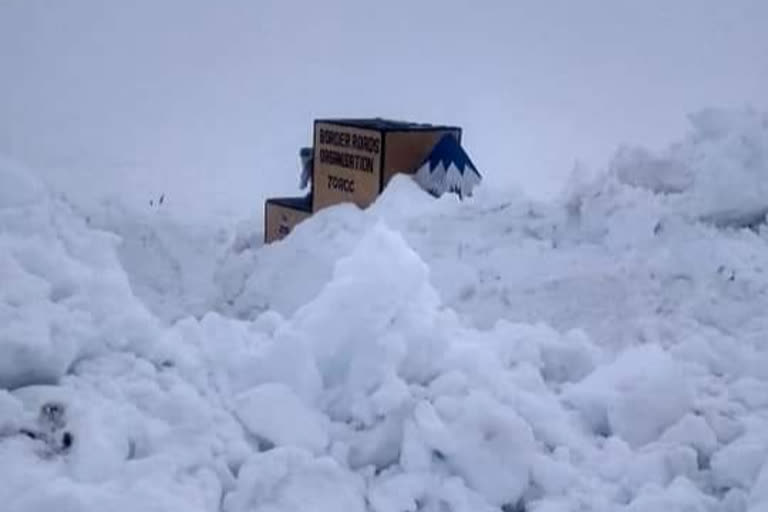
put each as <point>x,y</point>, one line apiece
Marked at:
<point>448,168</point>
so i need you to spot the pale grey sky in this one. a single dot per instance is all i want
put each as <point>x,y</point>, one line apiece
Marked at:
<point>209,101</point>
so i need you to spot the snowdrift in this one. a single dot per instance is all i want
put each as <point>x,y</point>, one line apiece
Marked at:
<point>604,352</point>
<point>64,294</point>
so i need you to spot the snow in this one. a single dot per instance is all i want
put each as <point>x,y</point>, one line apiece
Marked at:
<point>738,464</point>
<point>274,413</point>
<point>694,431</point>
<point>718,171</point>
<point>679,495</point>
<point>611,396</point>
<point>65,294</point>
<point>758,496</point>
<point>606,351</point>
<point>288,479</point>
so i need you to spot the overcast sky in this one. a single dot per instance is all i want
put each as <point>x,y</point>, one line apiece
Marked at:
<point>209,101</point>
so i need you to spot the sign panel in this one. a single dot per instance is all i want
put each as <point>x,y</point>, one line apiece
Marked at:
<point>405,150</point>
<point>347,165</point>
<point>280,219</point>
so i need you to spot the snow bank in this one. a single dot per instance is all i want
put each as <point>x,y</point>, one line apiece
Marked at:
<point>64,293</point>
<point>284,276</point>
<point>606,352</point>
<point>399,338</point>
<point>719,172</point>
<point>639,168</point>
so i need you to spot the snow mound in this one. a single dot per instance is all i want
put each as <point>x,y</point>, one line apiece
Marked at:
<point>64,293</point>
<point>719,172</point>
<point>640,379</point>
<point>17,187</point>
<point>284,276</point>
<point>605,352</point>
<point>385,275</point>
<point>288,480</point>
<point>275,414</point>
<point>639,168</point>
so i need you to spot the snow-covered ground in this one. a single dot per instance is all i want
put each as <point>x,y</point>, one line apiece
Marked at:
<point>604,352</point>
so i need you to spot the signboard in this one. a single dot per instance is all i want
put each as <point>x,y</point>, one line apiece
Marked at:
<point>281,216</point>
<point>406,150</point>
<point>347,165</point>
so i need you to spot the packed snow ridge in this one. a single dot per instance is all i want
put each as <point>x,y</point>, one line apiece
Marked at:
<point>604,352</point>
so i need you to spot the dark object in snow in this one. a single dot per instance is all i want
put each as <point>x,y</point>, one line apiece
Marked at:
<point>66,440</point>
<point>159,201</point>
<point>751,219</point>
<point>30,433</point>
<point>52,414</point>
<point>721,270</point>
<point>50,421</point>
<point>514,507</point>
<point>307,161</point>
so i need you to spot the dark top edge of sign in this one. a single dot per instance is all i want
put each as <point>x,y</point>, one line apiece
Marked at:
<point>297,203</point>
<point>381,124</point>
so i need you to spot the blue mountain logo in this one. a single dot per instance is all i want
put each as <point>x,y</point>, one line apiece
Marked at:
<point>448,168</point>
